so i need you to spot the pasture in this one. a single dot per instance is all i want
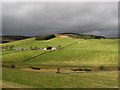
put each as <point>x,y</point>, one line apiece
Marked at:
<point>73,52</point>
<point>22,79</point>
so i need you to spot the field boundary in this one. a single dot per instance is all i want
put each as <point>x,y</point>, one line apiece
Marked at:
<point>114,67</point>
<point>19,69</point>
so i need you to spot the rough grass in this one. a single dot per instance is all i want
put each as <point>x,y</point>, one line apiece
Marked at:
<point>105,79</point>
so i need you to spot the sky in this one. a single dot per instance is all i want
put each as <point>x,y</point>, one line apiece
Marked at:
<point>32,19</point>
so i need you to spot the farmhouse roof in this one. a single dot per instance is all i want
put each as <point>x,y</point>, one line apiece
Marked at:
<point>19,49</point>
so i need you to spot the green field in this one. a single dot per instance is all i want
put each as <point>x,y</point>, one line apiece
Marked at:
<point>73,52</point>
<point>108,79</point>
<point>83,53</point>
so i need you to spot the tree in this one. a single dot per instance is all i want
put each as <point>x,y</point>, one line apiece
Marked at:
<point>6,48</point>
<point>101,68</point>
<point>58,70</point>
<point>45,37</point>
<point>49,48</point>
<point>11,47</point>
<point>13,66</point>
<point>31,48</point>
<point>59,46</point>
<point>3,47</point>
<point>36,48</point>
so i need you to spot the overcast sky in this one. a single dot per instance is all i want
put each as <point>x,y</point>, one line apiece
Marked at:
<point>49,18</point>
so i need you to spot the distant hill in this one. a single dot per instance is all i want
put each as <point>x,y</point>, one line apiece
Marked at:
<point>9,38</point>
<point>68,33</point>
<point>80,36</point>
<point>113,37</point>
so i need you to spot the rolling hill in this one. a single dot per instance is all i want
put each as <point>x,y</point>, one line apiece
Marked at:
<point>10,38</point>
<point>89,54</point>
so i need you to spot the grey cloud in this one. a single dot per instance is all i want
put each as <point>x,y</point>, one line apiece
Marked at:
<point>48,18</point>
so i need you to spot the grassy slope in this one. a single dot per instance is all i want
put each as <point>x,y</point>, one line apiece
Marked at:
<point>20,42</point>
<point>108,79</point>
<point>22,55</point>
<point>84,53</point>
<point>52,42</point>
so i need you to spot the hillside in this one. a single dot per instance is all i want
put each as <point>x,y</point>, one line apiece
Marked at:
<point>79,36</point>
<point>8,38</point>
<point>95,59</point>
<point>72,52</point>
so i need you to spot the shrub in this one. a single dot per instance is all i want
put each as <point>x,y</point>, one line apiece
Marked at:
<point>101,68</point>
<point>59,46</point>
<point>118,68</point>
<point>74,69</point>
<point>82,69</point>
<point>58,70</point>
<point>8,48</point>
<point>87,69</point>
<point>35,68</point>
<point>31,48</point>
<point>13,66</point>
<point>11,47</point>
<point>36,48</point>
<point>77,69</point>
<point>49,48</point>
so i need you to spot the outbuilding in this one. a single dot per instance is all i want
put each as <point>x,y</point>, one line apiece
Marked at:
<point>45,49</point>
<point>19,49</point>
<point>54,48</point>
<point>41,48</point>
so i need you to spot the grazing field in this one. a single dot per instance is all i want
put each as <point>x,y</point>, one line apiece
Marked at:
<point>22,79</point>
<point>72,52</point>
<point>20,42</point>
<point>20,55</point>
<point>52,42</point>
<point>84,53</point>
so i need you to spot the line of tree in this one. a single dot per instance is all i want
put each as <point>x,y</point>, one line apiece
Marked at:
<point>34,48</point>
<point>45,37</point>
<point>85,36</point>
<point>8,48</point>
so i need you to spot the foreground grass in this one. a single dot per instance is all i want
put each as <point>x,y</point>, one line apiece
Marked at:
<point>105,79</point>
<point>9,84</point>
